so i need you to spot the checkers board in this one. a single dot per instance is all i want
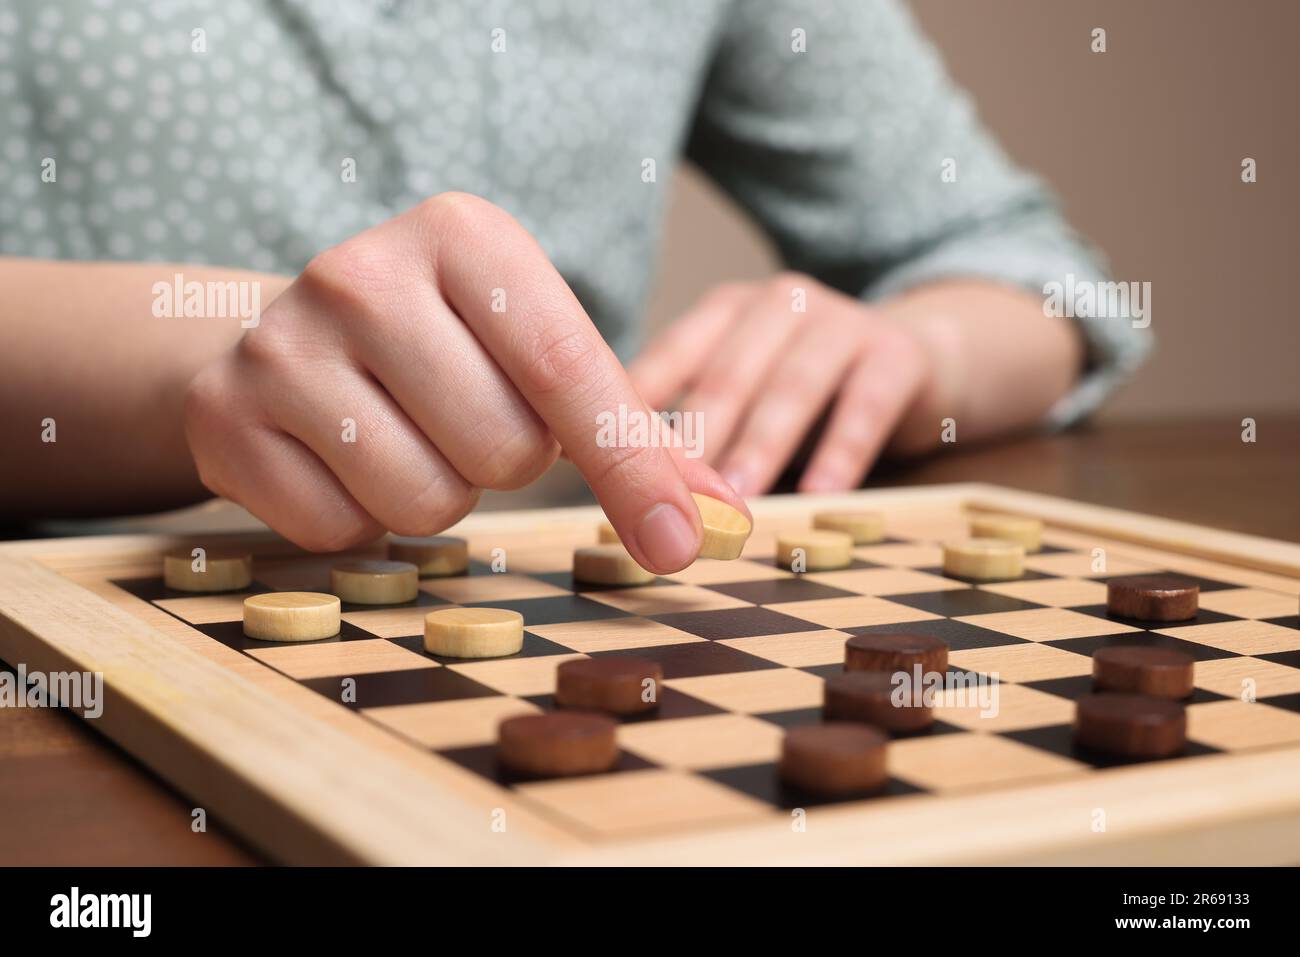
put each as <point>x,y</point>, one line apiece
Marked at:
<point>363,748</point>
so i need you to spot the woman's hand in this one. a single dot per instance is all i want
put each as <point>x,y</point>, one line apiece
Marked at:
<point>432,356</point>
<point>762,361</point>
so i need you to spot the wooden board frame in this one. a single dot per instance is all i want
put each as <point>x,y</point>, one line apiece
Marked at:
<point>298,782</point>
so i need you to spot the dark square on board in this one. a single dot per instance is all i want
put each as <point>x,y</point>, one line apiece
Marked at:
<point>776,590</point>
<point>482,760</point>
<point>692,659</point>
<point>1077,686</point>
<point>566,581</point>
<point>1205,584</point>
<point>552,611</point>
<point>672,704</point>
<point>1142,639</point>
<point>153,589</point>
<point>1290,659</point>
<point>956,603</point>
<point>534,646</point>
<point>1203,617</point>
<point>960,635</point>
<point>231,634</point>
<point>411,686</point>
<point>1059,739</point>
<point>422,600</point>
<point>1026,576</point>
<point>735,623</point>
<point>761,781</point>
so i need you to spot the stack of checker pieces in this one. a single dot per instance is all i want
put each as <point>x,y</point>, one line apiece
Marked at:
<point>745,647</point>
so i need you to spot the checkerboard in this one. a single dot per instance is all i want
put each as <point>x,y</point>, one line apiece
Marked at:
<point>745,648</point>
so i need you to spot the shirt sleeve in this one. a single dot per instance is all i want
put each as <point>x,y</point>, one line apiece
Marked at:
<point>870,170</point>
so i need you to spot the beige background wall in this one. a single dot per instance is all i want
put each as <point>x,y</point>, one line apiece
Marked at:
<point>1144,143</point>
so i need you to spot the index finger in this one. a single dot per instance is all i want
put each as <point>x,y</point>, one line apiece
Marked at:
<point>502,285</point>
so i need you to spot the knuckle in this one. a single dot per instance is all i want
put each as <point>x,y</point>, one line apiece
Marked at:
<point>559,359</point>
<point>336,532</point>
<point>262,350</point>
<point>353,274</point>
<point>625,466</point>
<point>514,462</point>
<point>439,504</point>
<point>454,208</point>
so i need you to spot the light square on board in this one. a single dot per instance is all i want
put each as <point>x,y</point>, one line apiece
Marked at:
<point>855,612</point>
<point>392,622</point>
<point>1247,603</point>
<point>615,634</point>
<point>642,802</point>
<point>885,581</point>
<point>753,692</point>
<point>1055,592</point>
<point>1233,725</point>
<point>665,600</point>
<point>451,724</point>
<point>206,609</point>
<point>902,554</point>
<point>465,590</point>
<point>1002,707</point>
<point>802,649</point>
<point>1022,663</point>
<point>1081,565</point>
<point>713,741</point>
<point>709,571</point>
<point>951,762</point>
<point>1242,637</point>
<point>1045,624</point>
<point>1234,676</point>
<point>516,676</point>
<point>530,561</point>
<point>339,658</point>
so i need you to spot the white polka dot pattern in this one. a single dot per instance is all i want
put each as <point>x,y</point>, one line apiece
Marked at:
<point>219,133</point>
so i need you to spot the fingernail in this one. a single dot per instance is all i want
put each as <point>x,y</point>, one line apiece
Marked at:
<point>735,478</point>
<point>666,538</point>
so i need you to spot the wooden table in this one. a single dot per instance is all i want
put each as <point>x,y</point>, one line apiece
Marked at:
<point>70,797</point>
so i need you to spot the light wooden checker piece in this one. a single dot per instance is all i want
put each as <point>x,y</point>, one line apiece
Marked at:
<point>292,616</point>
<point>1026,532</point>
<point>725,529</point>
<point>815,550</point>
<point>865,528</point>
<point>608,564</point>
<point>200,569</point>
<point>721,652</point>
<point>435,556</point>
<point>375,582</point>
<point>984,559</point>
<point>473,632</point>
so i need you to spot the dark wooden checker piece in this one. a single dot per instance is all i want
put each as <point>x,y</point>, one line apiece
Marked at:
<point>835,758</point>
<point>558,744</point>
<point>616,684</point>
<point>895,651</point>
<point>868,697</point>
<point>1131,725</point>
<point>1152,598</point>
<point>1160,672</point>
